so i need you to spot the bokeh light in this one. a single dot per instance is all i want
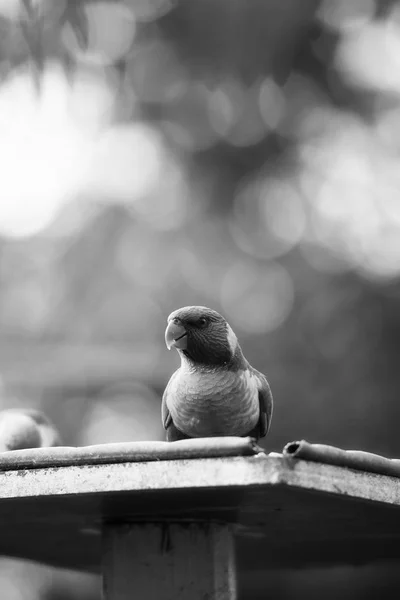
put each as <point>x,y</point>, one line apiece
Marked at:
<point>262,300</point>
<point>39,137</point>
<point>268,217</point>
<point>121,414</point>
<point>346,14</point>
<point>369,57</point>
<point>272,103</point>
<point>125,163</point>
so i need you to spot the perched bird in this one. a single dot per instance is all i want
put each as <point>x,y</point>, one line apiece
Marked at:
<point>26,428</point>
<point>215,392</point>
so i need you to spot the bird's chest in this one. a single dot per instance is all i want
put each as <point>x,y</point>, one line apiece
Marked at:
<point>207,404</point>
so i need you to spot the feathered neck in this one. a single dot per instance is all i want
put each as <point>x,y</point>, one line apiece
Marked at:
<point>200,361</point>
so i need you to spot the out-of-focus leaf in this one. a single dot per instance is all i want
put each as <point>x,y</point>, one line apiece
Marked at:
<point>75,16</point>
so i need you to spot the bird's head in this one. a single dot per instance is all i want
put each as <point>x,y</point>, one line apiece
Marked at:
<point>202,336</point>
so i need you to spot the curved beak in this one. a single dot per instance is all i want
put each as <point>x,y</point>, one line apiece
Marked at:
<point>176,336</point>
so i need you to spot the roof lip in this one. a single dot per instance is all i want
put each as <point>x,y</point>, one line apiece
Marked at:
<point>354,459</point>
<point>122,452</point>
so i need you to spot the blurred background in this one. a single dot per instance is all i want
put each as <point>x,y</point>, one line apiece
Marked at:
<point>242,154</point>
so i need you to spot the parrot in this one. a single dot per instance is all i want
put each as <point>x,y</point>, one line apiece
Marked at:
<point>26,428</point>
<point>215,391</point>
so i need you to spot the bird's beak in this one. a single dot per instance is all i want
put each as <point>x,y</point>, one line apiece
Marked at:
<point>176,336</point>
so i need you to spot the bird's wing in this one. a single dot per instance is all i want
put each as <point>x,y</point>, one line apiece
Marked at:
<point>165,414</point>
<point>266,404</point>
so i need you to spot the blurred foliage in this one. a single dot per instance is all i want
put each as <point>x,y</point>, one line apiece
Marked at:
<point>242,155</point>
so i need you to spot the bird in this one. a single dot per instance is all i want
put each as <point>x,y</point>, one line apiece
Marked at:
<point>26,428</point>
<point>215,391</point>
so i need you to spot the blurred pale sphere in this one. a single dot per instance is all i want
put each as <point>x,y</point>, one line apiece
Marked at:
<point>43,152</point>
<point>346,14</point>
<point>354,206</point>
<point>257,299</point>
<point>126,163</point>
<point>124,413</point>
<point>272,103</point>
<point>314,126</point>
<point>268,217</point>
<point>170,204</point>
<point>344,216</point>
<point>349,178</point>
<point>381,259</point>
<point>92,99</point>
<point>110,29</point>
<point>11,9</point>
<point>303,99</point>
<point>283,210</point>
<point>346,203</point>
<point>370,57</point>
<point>222,110</point>
<point>234,112</point>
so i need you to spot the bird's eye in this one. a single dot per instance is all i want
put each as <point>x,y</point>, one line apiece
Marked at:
<point>202,322</point>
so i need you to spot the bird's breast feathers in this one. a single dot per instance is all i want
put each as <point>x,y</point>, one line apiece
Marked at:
<point>220,402</point>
